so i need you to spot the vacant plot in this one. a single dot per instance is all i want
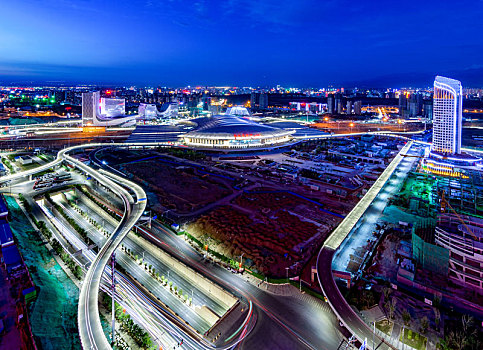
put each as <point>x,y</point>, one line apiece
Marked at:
<point>177,187</point>
<point>269,241</point>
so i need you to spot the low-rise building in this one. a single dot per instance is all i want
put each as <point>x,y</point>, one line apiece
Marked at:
<point>463,237</point>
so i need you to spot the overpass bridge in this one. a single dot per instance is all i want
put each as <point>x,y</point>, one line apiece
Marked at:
<point>341,308</point>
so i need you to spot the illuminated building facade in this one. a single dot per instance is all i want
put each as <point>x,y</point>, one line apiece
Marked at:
<point>112,107</point>
<point>98,111</point>
<point>232,132</point>
<point>445,157</point>
<point>447,116</point>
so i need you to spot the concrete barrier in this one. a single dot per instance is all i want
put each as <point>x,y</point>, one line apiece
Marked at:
<point>198,280</point>
<point>202,283</point>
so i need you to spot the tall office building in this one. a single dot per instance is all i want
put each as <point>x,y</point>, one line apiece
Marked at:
<point>90,107</point>
<point>447,116</point>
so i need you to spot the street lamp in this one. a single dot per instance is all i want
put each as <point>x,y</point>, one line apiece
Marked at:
<point>286,269</point>
<point>241,262</point>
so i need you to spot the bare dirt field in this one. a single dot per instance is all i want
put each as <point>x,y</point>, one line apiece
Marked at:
<point>269,229</point>
<point>178,187</point>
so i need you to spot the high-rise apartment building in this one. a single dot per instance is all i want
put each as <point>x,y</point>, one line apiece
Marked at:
<point>447,116</point>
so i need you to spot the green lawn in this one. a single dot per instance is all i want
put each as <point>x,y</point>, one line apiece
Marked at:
<point>413,339</point>
<point>385,326</point>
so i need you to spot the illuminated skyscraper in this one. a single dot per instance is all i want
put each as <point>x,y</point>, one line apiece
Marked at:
<point>447,116</point>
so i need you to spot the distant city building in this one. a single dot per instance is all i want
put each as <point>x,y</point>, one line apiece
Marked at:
<point>348,109</point>
<point>263,104</point>
<point>415,105</point>
<point>428,109</point>
<point>312,107</point>
<point>340,107</point>
<point>147,111</point>
<point>447,116</point>
<point>330,104</point>
<point>254,100</point>
<point>357,107</point>
<point>338,103</point>
<point>402,105</point>
<point>239,111</point>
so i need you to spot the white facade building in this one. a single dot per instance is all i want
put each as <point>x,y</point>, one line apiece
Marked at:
<point>447,116</point>
<point>90,104</point>
<point>103,112</point>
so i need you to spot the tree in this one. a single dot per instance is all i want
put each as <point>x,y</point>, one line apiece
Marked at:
<point>437,318</point>
<point>424,324</point>
<point>180,292</point>
<point>387,291</point>
<point>406,317</point>
<point>391,306</point>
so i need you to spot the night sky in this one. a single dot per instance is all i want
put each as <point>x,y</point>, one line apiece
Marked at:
<point>248,42</point>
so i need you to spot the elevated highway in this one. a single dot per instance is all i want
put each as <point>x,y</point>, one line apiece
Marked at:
<point>341,308</point>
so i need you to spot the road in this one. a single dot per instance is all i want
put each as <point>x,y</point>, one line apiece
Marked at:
<point>137,271</point>
<point>374,201</point>
<point>302,330</point>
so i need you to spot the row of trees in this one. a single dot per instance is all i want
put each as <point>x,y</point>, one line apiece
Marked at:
<point>138,334</point>
<point>155,274</point>
<point>95,200</point>
<point>98,226</point>
<point>76,269</point>
<point>72,222</point>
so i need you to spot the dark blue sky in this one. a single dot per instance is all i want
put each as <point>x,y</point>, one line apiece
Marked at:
<point>246,42</point>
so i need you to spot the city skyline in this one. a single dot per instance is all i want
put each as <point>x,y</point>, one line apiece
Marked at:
<point>240,43</point>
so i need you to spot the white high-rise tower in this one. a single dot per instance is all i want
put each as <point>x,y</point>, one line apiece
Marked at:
<point>447,116</point>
